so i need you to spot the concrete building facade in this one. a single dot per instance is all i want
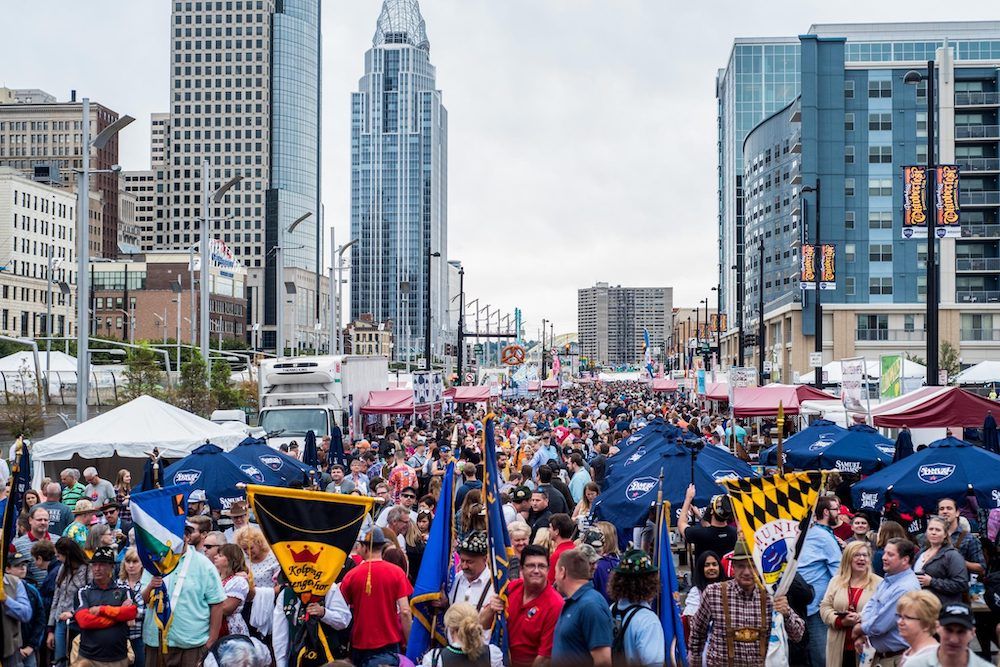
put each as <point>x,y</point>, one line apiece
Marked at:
<point>611,321</point>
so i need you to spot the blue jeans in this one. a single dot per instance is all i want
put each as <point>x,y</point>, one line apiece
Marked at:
<point>139,650</point>
<point>61,653</point>
<point>817,639</point>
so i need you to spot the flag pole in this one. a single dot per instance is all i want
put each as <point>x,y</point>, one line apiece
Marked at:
<point>781,431</point>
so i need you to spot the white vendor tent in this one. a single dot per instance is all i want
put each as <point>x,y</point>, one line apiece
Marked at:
<point>134,429</point>
<point>873,370</point>
<point>60,361</point>
<point>985,372</point>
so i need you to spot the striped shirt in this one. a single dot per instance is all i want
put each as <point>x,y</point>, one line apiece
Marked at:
<point>72,494</point>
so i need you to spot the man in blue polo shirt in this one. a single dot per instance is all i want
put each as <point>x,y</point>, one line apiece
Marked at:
<point>818,562</point>
<point>583,632</point>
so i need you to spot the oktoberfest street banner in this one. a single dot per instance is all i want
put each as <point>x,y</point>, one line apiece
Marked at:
<point>773,514</point>
<point>946,191</point>
<point>890,384</point>
<point>915,202</point>
<point>807,272</point>
<point>310,532</point>
<point>828,267</point>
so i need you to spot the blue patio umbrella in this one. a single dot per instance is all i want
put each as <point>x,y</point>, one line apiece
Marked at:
<point>336,452</point>
<point>946,468</point>
<point>277,468</point>
<point>820,434</point>
<point>627,499</point>
<point>859,449</point>
<point>310,455</point>
<point>654,437</point>
<point>904,445</point>
<point>210,469</point>
<point>990,440</point>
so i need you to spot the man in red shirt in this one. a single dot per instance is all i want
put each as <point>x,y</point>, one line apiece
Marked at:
<point>561,529</point>
<point>533,608</point>
<point>401,476</point>
<point>377,593</point>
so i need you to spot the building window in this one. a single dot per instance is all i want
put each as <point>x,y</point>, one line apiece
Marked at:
<point>879,187</point>
<point>880,252</point>
<point>880,219</point>
<point>849,220</point>
<point>880,122</point>
<point>850,252</point>
<point>849,285</point>
<point>909,322</point>
<point>848,89</point>
<point>921,123</point>
<point>848,122</point>
<point>878,89</point>
<point>878,286</point>
<point>873,327</point>
<point>848,154</point>
<point>848,187</point>
<point>880,155</point>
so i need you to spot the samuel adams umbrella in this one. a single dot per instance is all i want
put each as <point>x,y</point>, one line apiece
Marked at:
<point>209,469</point>
<point>818,435</point>
<point>948,467</point>
<point>859,449</point>
<point>656,437</point>
<point>277,467</point>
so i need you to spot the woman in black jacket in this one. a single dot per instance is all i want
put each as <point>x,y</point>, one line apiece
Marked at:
<point>940,567</point>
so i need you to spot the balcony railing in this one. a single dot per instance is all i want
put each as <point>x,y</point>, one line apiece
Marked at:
<point>980,231</point>
<point>889,335</point>
<point>980,334</point>
<point>977,132</point>
<point>972,99</point>
<point>977,264</point>
<point>978,163</point>
<point>979,197</point>
<point>977,296</point>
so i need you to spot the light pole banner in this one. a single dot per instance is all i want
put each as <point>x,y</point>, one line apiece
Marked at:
<point>947,223</point>
<point>827,267</point>
<point>853,384</point>
<point>807,273</point>
<point>891,378</point>
<point>914,202</point>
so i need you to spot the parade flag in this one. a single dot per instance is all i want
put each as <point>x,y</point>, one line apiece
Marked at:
<point>669,608</point>
<point>773,514</point>
<point>20,475</point>
<point>435,575</point>
<point>500,549</point>
<point>311,533</point>
<point>159,517</point>
<point>647,352</point>
<point>556,365</point>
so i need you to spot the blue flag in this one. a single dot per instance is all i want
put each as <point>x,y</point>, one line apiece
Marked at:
<point>500,549</point>
<point>435,575</point>
<point>647,352</point>
<point>20,472</point>
<point>669,611</point>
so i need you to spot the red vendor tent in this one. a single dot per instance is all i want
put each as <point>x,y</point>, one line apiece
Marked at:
<point>392,402</point>
<point>664,384</point>
<point>930,407</point>
<point>717,391</point>
<point>763,401</point>
<point>470,394</point>
<point>534,385</point>
<point>551,383</point>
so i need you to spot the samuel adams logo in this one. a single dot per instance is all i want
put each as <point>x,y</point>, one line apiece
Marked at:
<point>720,475</point>
<point>271,461</point>
<point>932,473</point>
<point>821,444</point>
<point>253,472</point>
<point>187,476</point>
<point>639,453</point>
<point>640,487</point>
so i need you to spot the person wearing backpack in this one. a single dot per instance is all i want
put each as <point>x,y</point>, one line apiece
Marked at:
<point>638,633</point>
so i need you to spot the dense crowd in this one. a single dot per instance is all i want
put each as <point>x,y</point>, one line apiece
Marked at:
<point>868,589</point>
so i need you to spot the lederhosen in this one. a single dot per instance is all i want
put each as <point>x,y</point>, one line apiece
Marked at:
<point>760,635</point>
<point>482,598</point>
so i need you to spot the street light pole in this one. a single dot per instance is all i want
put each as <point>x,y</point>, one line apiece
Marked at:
<point>760,313</point>
<point>427,318</point>
<point>340,291</point>
<point>818,307</point>
<point>279,285</point>
<point>461,323</point>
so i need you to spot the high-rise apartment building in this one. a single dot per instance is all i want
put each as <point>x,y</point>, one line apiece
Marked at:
<point>399,175</point>
<point>612,321</point>
<point>245,98</point>
<point>143,186</point>
<point>158,124</point>
<point>846,122</point>
<point>43,139</point>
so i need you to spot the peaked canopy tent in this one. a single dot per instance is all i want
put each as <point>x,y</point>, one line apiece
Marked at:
<point>393,402</point>
<point>833,372</point>
<point>930,407</point>
<point>717,391</point>
<point>218,475</point>
<point>763,401</point>
<point>985,372</point>
<point>469,394</point>
<point>549,384</point>
<point>665,384</point>
<point>59,361</point>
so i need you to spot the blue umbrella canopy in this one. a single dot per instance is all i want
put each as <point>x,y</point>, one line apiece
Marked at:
<point>657,436</point>
<point>946,468</point>
<point>277,468</point>
<point>310,454</point>
<point>820,434</point>
<point>627,499</point>
<point>904,445</point>
<point>859,449</point>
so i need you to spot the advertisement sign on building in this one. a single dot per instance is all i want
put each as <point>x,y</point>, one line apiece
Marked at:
<point>853,384</point>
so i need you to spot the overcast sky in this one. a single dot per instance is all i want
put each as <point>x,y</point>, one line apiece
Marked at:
<point>582,139</point>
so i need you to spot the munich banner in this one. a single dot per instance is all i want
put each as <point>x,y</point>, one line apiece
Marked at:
<point>827,267</point>
<point>914,202</point>
<point>947,223</point>
<point>807,273</point>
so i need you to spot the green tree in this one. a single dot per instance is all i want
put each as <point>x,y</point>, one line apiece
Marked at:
<point>948,359</point>
<point>192,391</point>
<point>224,395</point>
<point>143,374</point>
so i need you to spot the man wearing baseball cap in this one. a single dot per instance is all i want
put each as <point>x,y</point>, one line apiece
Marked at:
<point>956,629</point>
<point>105,610</point>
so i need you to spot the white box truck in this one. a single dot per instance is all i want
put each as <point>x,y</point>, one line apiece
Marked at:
<point>299,394</point>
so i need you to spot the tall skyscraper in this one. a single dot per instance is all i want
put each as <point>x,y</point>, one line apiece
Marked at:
<point>399,183</point>
<point>612,321</point>
<point>245,95</point>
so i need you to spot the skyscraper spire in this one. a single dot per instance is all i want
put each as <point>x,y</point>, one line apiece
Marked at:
<point>401,23</point>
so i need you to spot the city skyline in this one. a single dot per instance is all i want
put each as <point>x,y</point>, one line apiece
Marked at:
<point>538,113</point>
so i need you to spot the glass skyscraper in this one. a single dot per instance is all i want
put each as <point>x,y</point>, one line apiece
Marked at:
<point>399,172</point>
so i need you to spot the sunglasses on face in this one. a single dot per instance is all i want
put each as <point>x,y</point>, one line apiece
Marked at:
<point>409,495</point>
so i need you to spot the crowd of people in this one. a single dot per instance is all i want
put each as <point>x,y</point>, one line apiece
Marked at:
<point>868,590</point>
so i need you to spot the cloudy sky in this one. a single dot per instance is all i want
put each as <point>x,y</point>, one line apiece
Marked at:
<point>582,132</point>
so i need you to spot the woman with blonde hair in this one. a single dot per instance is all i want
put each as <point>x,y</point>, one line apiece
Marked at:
<point>232,567</point>
<point>123,493</point>
<point>581,513</point>
<point>916,617</point>
<point>466,645</point>
<point>260,560</point>
<point>845,597</point>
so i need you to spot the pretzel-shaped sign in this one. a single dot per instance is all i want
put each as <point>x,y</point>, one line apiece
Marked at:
<point>512,355</point>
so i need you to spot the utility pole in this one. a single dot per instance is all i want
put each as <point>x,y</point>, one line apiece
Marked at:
<point>461,324</point>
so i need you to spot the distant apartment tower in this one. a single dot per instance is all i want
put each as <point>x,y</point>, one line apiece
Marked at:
<point>611,322</point>
<point>43,140</point>
<point>245,97</point>
<point>158,128</point>
<point>399,174</point>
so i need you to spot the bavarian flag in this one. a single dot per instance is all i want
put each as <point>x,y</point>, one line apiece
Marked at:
<point>310,532</point>
<point>773,514</point>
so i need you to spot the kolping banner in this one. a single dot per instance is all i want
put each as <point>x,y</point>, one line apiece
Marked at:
<point>946,192</point>
<point>914,202</point>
